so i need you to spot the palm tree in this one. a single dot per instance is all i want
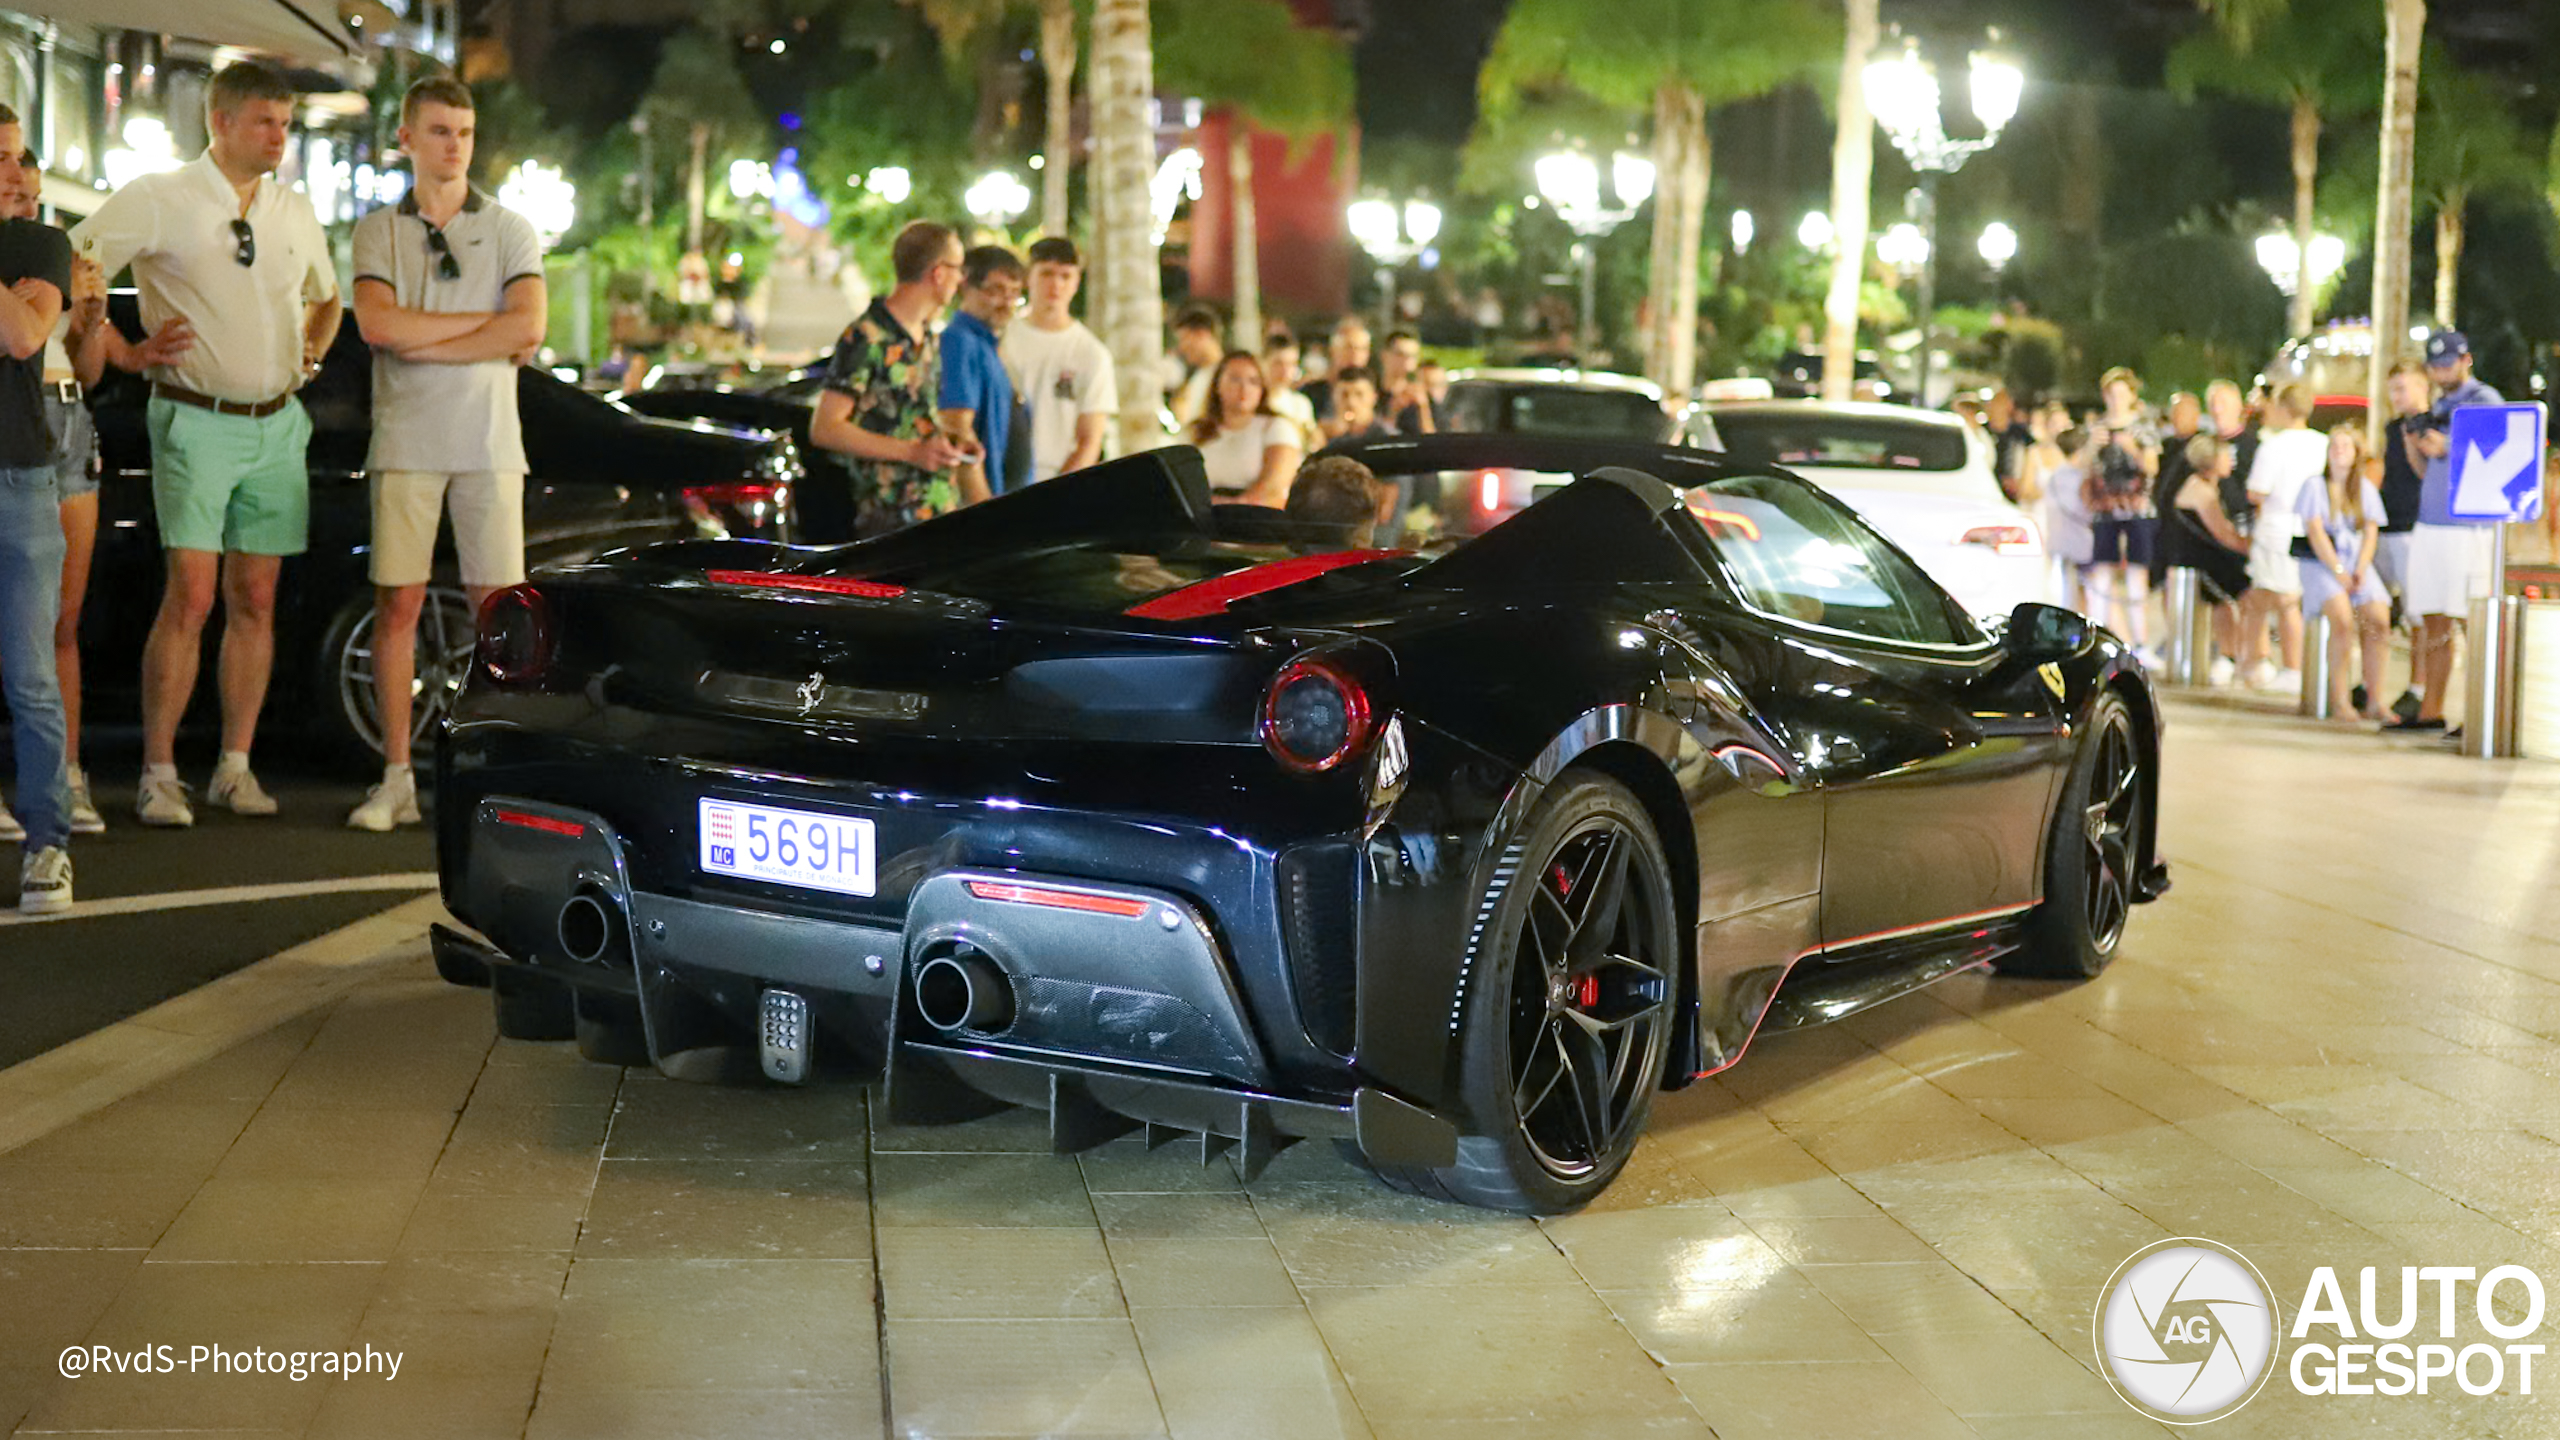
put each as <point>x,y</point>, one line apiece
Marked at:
<point>2316,59</point>
<point>1853,155</point>
<point>1124,160</point>
<point>2469,143</point>
<point>1058,64</point>
<point>698,92</point>
<point>1271,73</point>
<point>1676,60</point>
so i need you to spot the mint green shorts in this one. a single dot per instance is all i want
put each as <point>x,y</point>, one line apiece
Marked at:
<point>229,483</point>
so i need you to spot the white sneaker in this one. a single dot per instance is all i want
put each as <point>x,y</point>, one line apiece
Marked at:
<point>389,803</point>
<point>2222,672</point>
<point>2286,681</point>
<point>237,791</point>
<point>44,882</point>
<point>163,802</point>
<point>10,829</point>
<point>2262,676</point>
<point>85,819</point>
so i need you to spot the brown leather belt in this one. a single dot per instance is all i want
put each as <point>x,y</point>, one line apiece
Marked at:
<point>254,409</point>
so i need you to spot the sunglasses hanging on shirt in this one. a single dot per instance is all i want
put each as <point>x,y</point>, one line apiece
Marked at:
<point>247,254</point>
<point>447,268</point>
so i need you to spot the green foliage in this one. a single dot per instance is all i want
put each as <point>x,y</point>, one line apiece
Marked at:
<point>2032,357</point>
<point>1620,52</point>
<point>2327,53</point>
<point>1255,56</point>
<point>697,83</point>
<point>2246,20</point>
<point>2469,140</point>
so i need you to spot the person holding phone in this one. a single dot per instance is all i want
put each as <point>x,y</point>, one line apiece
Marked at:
<point>880,391</point>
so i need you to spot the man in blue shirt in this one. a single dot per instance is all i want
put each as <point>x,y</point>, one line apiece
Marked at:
<point>976,400</point>
<point>2448,562</point>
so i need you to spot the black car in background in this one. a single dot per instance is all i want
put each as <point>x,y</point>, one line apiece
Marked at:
<point>600,478</point>
<point>783,404</point>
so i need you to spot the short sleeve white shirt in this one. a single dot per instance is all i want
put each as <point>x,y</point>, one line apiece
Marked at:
<point>2287,461</point>
<point>1234,457</point>
<point>175,229</point>
<point>1061,376</point>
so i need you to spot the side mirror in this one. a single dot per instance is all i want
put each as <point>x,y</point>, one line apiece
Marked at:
<point>2038,633</point>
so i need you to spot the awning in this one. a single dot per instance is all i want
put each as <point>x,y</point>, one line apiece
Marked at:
<point>305,32</point>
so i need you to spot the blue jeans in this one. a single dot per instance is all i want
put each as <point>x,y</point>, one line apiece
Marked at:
<point>30,596</point>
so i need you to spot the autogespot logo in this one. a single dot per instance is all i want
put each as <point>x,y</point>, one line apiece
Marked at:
<point>2185,1331</point>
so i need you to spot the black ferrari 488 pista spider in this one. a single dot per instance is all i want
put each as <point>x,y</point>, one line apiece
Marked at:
<point>1170,816</point>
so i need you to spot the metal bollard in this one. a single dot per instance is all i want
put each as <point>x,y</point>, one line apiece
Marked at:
<point>2315,666</point>
<point>2182,661</point>
<point>2493,677</point>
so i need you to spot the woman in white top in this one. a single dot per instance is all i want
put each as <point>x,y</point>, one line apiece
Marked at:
<point>1251,451</point>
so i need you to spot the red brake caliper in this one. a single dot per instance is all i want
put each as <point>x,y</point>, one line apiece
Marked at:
<point>1588,996</point>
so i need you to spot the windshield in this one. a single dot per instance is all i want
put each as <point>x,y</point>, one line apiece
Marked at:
<point>1490,408</point>
<point>1812,440</point>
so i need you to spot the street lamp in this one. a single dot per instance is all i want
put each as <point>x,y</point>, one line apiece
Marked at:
<point>1391,238</point>
<point>1904,247</point>
<point>2281,257</point>
<point>544,197</point>
<point>1744,228</point>
<point>891,183</point>
<point>750,180</point>
<point>1902,89</point>
<point>996,198</point>
<point>1998,246</point>
<point>1571,183</point>
<point>1816,231</point>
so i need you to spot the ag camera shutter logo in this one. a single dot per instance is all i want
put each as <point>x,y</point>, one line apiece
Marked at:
<point>2185,1332</point>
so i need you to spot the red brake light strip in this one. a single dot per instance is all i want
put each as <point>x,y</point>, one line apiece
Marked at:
<point>811,584</point>
<point>1127,909</point>
<point>543,823</point>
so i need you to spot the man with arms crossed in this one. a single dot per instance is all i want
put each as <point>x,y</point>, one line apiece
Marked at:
<point>219,243</point>
<point>449,293</point>
<point>1059,367</point>
<point>35,268</point>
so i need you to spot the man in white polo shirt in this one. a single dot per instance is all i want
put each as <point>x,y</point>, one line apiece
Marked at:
<point>449,292</point>
<point>224,246</point>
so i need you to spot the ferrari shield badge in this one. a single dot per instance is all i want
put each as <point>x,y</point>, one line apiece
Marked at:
<point>2052,675</point>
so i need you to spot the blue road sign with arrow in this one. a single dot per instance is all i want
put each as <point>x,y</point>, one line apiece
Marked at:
<point>2497,463</point>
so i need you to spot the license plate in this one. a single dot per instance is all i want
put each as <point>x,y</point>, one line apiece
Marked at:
<point>788,847</point>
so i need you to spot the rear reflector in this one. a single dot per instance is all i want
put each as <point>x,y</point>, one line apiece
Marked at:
<point>1125,907</point>
<point>543,823</point>
<point>809,584</point>
<point>1212,597</point>
<point>1489,492</point>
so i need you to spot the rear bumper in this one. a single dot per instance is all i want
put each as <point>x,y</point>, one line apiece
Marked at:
<point>1118,1007</point>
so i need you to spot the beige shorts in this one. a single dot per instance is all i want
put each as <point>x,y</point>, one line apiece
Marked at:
<point>488,525</point>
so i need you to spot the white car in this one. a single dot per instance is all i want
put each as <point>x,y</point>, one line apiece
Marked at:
<point>1923,477</point>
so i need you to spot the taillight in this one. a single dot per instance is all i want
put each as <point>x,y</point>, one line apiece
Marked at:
<point>735,508</point>
<point>1315,716</point>
<point>2003,539</point>
<point>807,584</point>
<point>516,635</point>
<point>1489,492</point>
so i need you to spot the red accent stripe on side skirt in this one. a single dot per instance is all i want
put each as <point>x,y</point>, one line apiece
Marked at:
<point>1212,597</point>
<point>812,584</point>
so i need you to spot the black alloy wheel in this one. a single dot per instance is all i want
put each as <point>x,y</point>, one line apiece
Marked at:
<point>1569,1004</point>
<point>2093,855</point>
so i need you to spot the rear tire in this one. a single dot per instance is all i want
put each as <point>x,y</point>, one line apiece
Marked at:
<point>1567,1015</point>
<point>348,716</point>
<point>2091,856</point>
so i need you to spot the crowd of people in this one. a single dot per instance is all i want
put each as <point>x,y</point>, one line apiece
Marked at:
<point>2282,524</point>
<point>240,302</point>
<point>931,417</point>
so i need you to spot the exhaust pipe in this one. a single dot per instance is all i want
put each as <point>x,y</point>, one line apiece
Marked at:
<point>965,991</point>
<point>590,927</point>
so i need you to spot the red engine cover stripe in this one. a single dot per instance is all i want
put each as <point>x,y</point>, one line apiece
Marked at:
<point>1212,597</point>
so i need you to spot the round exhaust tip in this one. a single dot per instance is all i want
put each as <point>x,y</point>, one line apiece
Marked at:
<point>964,992</point>
<point>587,927</point>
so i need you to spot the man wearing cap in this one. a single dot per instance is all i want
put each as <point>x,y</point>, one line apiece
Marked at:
<point>221,244</point>
<point>2448,562</point>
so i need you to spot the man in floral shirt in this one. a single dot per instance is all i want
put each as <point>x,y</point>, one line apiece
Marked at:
<point>878,403</point>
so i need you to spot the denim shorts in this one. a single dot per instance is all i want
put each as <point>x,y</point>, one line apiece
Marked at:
<point>75,446</point>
